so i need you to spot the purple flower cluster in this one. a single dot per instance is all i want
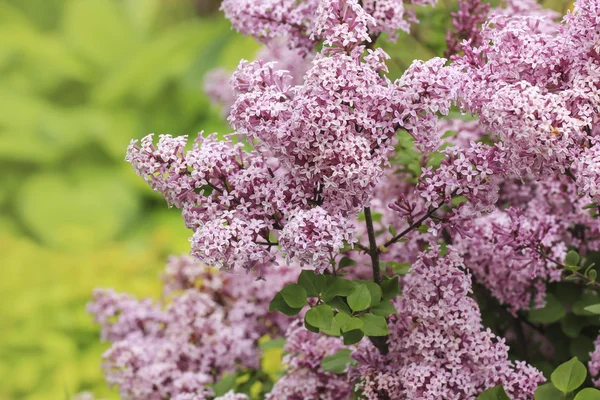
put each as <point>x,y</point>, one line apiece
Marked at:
<point>301,22</point>
<point>304,377</point>
<point>210,326</point>
<point>438,348</point>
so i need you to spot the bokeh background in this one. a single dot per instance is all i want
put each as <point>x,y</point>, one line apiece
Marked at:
<point>78,80</point>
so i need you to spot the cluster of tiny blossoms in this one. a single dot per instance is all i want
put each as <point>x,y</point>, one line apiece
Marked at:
<point>438,348</point>
<point>304,377</point>
<point>266,20</point>
<point>320,149</point>
<point>209,326</point>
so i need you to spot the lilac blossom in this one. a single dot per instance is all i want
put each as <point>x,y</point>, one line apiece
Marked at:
<point>304,378</point>
<point>438,346</point>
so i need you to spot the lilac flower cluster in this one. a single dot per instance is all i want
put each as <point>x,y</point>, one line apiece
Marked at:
<point>594,363</point>
<point>209,327</point>
<point>535,87</point>
<point>299,21</point>
<point>217,82</point>
<point>438,346</point>
<point>304,377</point>
<point>320,149</point>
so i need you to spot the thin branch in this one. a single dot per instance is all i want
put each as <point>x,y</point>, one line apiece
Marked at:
<point>561,265</point>
<point>380,342</point>
<point>373,251</point>
<point>412,226</point>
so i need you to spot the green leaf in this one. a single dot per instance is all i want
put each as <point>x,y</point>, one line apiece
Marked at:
<point>337,362</point>
<point>572,325</point>
<point>399,268</point>
<point>335,328</point>
<point>595,308</point>
<point>581,347</point>
<point>548,392</point>
<point>312,282</point>
<point>353,336</point>
<point>277,343</point>
<point>572,258</point>
<point>588,394</point>
<point>352,324</point>
<point>374,325</point>
<point>390,289</point>
<point>336,286</point>
<point>375,292</point>
<point>423,228</point>
<point>494,393</point>
<point>340,304</point>
<point>551,312</point>
<point>311,328</point>
<point>586,299</point>
<point>346,262</point>
<point>569,375</point>
<point>294,295</point>
<point>320,316</point>
<point>98,30</point>
<point>360,298</point>
<point>278,303</point>
<point>384,309</point>
<point>342,319</point>
<point>392,230</point>
<point>225,384</point>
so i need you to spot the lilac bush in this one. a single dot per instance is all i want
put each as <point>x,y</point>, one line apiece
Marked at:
<point>429,236</point>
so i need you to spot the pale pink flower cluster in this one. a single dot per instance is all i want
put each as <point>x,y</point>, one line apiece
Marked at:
<point>217,82</point>
<point>594,363</point>
<point>300,21</point>
<point>209,326</point>
<point>321,148</point>
<point>535,87</point>
<point>514,251</point>
<point>304,379</point>
<point>438,348</point>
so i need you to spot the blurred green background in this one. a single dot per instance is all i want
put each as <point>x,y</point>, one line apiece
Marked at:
<point>78,80</point>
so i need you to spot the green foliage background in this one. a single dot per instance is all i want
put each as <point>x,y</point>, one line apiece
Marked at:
<point>78,80</point>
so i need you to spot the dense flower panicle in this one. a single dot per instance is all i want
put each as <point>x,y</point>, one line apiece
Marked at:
<point>303,22</point>
<point>193,348</point>
<point>269,19</point>
<point>438,346</point>
<point>304,379</point>
<point>466,25</point>
<point>535,86</point>
<point>343,23</point>
<point>474,173</point>
<point>210,326</point>
<point>511,250</point>
<point>594,363</point>
<point>331,133</point>
<point>425,90</point>
<point>217,83</point>
<point>314,237</point>
<point>244,298</point>
<point>587,171</point>
<point>230,198</point>
<point>502,253</point>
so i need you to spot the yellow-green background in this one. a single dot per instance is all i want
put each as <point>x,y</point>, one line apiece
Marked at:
<point>78,80</point>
